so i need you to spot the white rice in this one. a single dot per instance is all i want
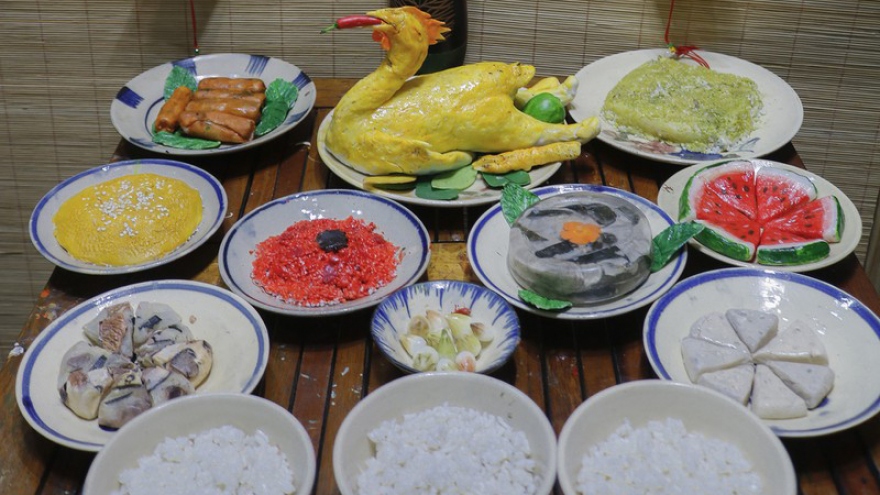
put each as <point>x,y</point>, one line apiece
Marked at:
<point>449,450</point>
<point>222,460</point>
<point>664,458</point>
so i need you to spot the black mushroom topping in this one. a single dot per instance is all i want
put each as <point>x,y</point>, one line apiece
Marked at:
<point>332,240</point>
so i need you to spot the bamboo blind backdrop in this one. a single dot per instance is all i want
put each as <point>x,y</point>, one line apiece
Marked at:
<point>61,64</point>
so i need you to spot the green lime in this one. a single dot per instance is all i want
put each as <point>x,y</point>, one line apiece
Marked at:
<point>546,108</point>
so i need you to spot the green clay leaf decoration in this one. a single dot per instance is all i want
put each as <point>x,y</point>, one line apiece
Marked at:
<point>176,140</point>
<point>670,240</point>
<point>542,302</point>
<point>179,76</point>
<point>497,181</point>
<point>515,200</point>
<point>460,178</point>
<point>424,190</point>
<point>281,95</point>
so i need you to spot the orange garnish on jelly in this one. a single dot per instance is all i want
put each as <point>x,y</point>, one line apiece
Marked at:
<point>580,233</point>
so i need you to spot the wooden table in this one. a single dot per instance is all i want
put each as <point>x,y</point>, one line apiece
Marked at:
<point>320,370</point>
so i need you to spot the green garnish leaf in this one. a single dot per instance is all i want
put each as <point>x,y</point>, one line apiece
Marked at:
<point>518,177</point>
<point>179,77</point>
<point>460,178</point>
<point>515,200</point>
<point>281,90</point>
<point>176,140</point>
<point>542,302</point>
<point>670,240</point>
<point>425,191</point>
<point>281,95</point>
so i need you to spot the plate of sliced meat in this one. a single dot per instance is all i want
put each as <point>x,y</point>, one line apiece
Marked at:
<point>212,104</point>
<point>797,351</point>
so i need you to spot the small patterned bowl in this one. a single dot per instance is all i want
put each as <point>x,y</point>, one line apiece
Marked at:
<point>392,317</point>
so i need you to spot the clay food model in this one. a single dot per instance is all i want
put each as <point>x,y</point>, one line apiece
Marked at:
<point>581,247</point>
<point>393,123</point>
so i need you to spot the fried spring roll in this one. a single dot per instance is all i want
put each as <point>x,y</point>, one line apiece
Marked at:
<point>172,108</point>
<point>242,108</point>
<point>242,126</point>
<point>252,85</point>
<point>209,130</point>
<point>212,94</point>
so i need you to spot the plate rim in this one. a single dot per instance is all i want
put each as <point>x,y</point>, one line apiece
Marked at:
<point>307,94</point>
<point>551,190</point>
<point>211,183</point>
<point>667,201</point>
<point>869,317</point>
<point>330,310</point>
<point>26,367</point>
<point>541,175</point>
<point>784,90</point>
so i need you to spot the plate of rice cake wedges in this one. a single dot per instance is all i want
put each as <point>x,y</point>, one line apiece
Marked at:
<point>761,213</point>
<point>798,352</point>
<point>660,106</point>
<point>212,104</point>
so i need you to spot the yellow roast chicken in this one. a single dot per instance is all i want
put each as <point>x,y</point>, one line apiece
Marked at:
<point>393,123</point>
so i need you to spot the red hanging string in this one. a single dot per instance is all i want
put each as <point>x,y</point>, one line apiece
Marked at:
<point>192,12</point>
<point>685,50</point>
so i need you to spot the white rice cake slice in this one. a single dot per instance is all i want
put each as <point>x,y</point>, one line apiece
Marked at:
<point>772,399</point>
<point>735,382</point>
<point>798,343</point>
<point>755,328</point>
<point>715,328</point>
<point>813,382</point>
<point>701,356</point>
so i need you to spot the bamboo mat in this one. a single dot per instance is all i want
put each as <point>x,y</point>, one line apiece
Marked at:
<point>61,64</point>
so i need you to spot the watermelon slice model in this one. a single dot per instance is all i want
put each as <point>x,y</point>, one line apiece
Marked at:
<point>778,247</point>
<point>756,212</point>
<point>779,190</point>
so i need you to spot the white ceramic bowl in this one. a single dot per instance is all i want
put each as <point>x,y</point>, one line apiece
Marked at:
<point>233,328</point>
<point>42,228</point>
<point>849,331</point>
<point>196,414</point>
<point>701,411</point>
<point>422,391</point>
<point>393,221</point>
<point>392,317</point>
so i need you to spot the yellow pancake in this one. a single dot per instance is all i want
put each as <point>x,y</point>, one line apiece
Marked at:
<point>128,220</point>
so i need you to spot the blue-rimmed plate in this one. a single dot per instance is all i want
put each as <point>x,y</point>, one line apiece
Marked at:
<point>487,251</point>
<point>137,104</point>
<point>394,222</point>
<point>391,319</point>
<point>230,325</point>
<point>849,331</point>
<point>42,227</point>
<point>780,120</point>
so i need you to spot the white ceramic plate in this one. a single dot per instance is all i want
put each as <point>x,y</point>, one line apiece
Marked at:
<point>849,331</point>
<point>397,224</point>
<point>196,414</point>
<point>392,317</point>
<point>137,104</point>
<point>478,194</point>
<point>782,115</point>
<point>671,191</point>
<point>42,228</point>
<point>487,251</point>
<point>232,327</point>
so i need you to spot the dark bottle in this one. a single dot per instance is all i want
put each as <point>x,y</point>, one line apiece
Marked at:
<point>451,52</point>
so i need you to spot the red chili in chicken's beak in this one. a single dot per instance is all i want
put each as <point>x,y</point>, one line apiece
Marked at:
<point>351,21</point>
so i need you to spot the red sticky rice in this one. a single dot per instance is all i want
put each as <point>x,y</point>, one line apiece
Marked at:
<point>293,267</point>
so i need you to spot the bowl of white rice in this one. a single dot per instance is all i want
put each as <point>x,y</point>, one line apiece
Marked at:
<point>445,432</point>
<point>219,443</point>
<point>662,437</point>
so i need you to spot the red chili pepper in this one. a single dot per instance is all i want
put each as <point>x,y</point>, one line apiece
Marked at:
<point>351,21</point>
<point>463,311</point>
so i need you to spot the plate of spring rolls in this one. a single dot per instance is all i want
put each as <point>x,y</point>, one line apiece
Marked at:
<point>212,104</point>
